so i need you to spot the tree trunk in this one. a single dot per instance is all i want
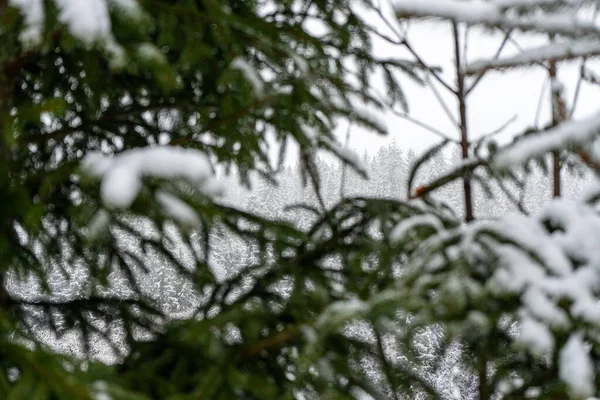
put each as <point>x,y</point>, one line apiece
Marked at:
<point>462,110</point>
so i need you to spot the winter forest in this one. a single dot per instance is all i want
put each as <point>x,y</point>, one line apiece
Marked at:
<point>299,199</point>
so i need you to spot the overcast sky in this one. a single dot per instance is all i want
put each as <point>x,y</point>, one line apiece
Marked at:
<point>499,97</point>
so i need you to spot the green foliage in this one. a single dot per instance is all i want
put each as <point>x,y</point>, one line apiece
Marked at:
<point>371,297</point>
<point>166,73</point>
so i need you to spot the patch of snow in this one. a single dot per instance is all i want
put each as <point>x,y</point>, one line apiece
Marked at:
<point>591,76</point>
<point>541,307</point>
<point>251,75</point>
<point>408,224</point>
<point>493,14</point>
<point>340,312</point>
<point>552,52</point>
<point>100,391</point>
<point>150,52</point>
<point>118,58</point>
<point>535,336</point>
<point>122,174</point>
<point>527,147</point>
<point>530,234</point>
<point>130,7</point>
<point>301,63</point>
<point>33,14</point>
<point>347,155</point>
<point>178,209</point>
<point>576,369</point>
<point>87,20</point>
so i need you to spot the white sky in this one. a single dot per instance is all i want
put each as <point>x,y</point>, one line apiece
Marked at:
<point>499,97</point>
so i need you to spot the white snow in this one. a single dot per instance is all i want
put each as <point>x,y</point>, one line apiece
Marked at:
<point>150,52</point>
<point>347,155</point>
<point>122,174</point>
<point>130,7</point>
<point>251,75</point>
<point>530,234</point>
<point>522,3</point>
<point>87,20</point>
<point>576,369</point>
<point>569,132</point>
<point>101,391</point>
<point>340,312</point>
<point>178,209</point>
<point>535,336</point>
<point>301,63</point>
<point>538,303</point>
<point>591,76</point>
<point>552,52</point>
<point>33,14</point>
<point>491,14</point>
<point>406,225</point>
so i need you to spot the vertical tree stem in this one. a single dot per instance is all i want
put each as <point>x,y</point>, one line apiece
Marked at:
<point>558,115</point>
<point>462,109</point>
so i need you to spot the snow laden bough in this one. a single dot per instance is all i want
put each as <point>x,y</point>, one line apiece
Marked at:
<point>123,178</point>
<point>521,289</point>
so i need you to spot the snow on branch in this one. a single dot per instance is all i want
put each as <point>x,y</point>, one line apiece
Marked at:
<point>122,175</point>
<point>251,75</point>
<point>567,133</point>
<point>493,14</point>
<point>524,3</point>
<point>590,76</point>
<point>553,52</point>
<point>547,263</point>
<point>88,21</point>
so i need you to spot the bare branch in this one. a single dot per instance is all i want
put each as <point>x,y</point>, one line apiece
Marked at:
<point>498,52</point>
<point>442,103</point>
<point>422,63</point>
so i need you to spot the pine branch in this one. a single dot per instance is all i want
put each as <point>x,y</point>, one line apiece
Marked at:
<point>554,52</point>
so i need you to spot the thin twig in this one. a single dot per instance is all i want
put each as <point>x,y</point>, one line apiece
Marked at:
<point>577,89</point>
<point>423,125</point>
<point>385,363</point>
<point>431,70</point>
<point>344,165</point>
<point>442,102</point>
<point>500,129</point>
<point>315,182</point>
<point>539,107</point>
<point>465,46</point>
<point>498,52</point>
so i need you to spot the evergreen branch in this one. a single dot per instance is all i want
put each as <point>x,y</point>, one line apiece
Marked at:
<point>386,365</point>
<point>553,52</point>
<point>432,71</point>
<point>459,172</point>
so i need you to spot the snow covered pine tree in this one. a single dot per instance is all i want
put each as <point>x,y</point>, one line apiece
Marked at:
<point>113,114</point>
